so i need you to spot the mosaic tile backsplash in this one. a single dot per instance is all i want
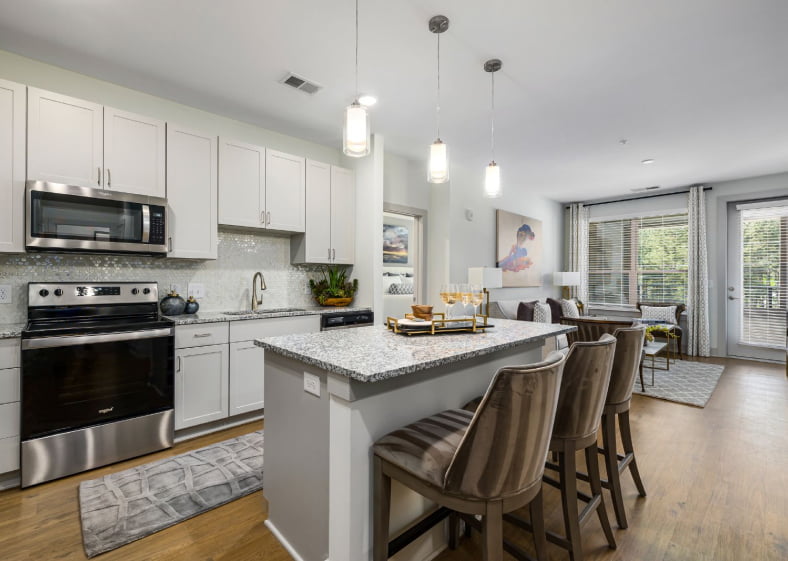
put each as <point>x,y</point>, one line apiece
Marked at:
<point>227,280</point>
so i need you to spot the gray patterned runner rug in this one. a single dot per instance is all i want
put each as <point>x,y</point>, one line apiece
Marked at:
<point>126,506</point>
<point>686,382</point>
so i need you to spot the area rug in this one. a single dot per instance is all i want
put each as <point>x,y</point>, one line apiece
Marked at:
<point>126,506</point>
<point>686,382</point>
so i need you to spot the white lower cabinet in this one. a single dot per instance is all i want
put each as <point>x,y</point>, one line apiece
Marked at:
<point>201,382</point>
<point>247,383</point>
<point>9,405</point>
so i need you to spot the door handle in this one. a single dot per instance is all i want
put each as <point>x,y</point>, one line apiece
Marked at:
<point>109,178</point>
<point>268,217</point>
<point>333,254</point>
<point>169,245</point>
<point>179,365</point>
<point>262,217</point>
<point>733,297</point>
<point>98,176</point>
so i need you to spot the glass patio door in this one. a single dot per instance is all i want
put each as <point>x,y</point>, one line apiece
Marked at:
<point>757,290</point>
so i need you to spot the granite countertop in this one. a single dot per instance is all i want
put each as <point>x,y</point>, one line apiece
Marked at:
<point>214,317</point>
<point>11,330</point>
<point>373,353</point>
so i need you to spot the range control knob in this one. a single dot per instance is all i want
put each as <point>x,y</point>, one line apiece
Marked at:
<point>58,292</point>
<point>135,291</point>
<point>43,293</point>
<point>146,290</point>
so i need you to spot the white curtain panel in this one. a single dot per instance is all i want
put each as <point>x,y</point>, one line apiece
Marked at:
<point>578,247</point>
<point>697,277</point>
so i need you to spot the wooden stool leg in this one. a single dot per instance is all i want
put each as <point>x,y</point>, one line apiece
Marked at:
<point>492,532</point>
<point>454,530</point>
<point>536,509</point>
<point>626,441</point>
<point>611,465</point>
<point>567,470</point>
<point>592,462</point>
<point>381,507</point>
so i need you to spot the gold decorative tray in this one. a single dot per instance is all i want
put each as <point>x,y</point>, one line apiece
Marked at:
<point>412,326</point>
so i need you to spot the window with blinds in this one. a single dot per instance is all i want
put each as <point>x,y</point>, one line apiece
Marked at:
<point>638,260</point>
<point>764,251</point>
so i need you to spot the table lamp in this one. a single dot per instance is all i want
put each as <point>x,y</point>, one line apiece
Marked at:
<point>565,279</point>
<point>486,277</point>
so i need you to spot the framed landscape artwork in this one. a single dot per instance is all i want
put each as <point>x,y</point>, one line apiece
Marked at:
<point>395,244</point>
<point>519,249</point>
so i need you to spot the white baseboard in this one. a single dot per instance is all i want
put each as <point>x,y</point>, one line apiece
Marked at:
<point>201,430</point>
<point>286,544</point>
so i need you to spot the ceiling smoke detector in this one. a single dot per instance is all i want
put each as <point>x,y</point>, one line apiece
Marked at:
<point>300,83</point>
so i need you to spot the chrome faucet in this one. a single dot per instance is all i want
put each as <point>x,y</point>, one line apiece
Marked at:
<point>257,301</point>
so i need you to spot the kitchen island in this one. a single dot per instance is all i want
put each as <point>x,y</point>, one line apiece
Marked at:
<point>330,395</point>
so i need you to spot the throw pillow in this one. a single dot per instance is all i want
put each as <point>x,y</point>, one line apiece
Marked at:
<point>388,280</point>
<point>555,310</point>
<point>525,311</point>
<point>569,309</point>
<point>401,288</point>
<point>542,313</point>
<point>665,314</point>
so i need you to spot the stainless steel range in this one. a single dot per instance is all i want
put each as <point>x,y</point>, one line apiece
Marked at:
<point>97,377</point>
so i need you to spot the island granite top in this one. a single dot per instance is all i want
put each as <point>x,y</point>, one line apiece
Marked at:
<point>215,317</point>
<point>373,353</point>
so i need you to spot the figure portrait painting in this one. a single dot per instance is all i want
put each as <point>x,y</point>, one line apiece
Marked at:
<point>519,249</point>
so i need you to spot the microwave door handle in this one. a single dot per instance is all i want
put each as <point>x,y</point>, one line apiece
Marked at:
<point>145,223</point>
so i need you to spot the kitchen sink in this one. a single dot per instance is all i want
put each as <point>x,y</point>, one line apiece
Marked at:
<point>264,311</point>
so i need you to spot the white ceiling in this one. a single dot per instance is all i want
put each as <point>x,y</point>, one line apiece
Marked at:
<point>701,86</point>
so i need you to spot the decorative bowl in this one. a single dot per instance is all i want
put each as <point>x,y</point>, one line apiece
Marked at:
<point>422,311</point>
<point>337,301</point>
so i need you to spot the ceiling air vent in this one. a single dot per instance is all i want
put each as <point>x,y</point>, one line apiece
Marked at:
<point>639,189</point>
<point>301,84</point>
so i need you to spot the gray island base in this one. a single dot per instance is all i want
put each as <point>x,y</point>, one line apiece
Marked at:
<point>370,381</point>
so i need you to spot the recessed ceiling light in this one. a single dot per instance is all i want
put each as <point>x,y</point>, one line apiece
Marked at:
<point>367,100</point>
<point>647,161</point>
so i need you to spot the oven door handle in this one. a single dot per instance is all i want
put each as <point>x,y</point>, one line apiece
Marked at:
<point>70,341</point>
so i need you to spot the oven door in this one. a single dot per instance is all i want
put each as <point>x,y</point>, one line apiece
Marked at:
<point>72,218</point>
<point>78,381</point>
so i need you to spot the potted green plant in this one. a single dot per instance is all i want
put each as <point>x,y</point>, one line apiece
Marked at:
<point>333,289</point>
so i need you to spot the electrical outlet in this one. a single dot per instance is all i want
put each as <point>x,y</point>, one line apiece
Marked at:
<point>311,384</point>
<point>196,289</point>
<point>5,294</point>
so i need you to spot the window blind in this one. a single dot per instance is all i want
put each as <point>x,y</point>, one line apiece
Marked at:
<point>641,259</point>
<point>764,251</point>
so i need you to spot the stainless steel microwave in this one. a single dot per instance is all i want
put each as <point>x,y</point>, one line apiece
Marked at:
<point>71,218</point>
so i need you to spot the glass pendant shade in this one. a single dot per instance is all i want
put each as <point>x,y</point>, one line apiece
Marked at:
<point>355,134</point>
<point>492,181</point>
<point>438,170</point>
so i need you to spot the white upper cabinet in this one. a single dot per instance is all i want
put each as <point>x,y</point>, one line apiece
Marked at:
<point>343,216</point>
<point>330,233</point>
<point>191,193</point>
<point>134,152</point>
<point>317,240</point>
<point>12,167</point>
<point>65,141</point>
<point>77,142</point>
<point>241,184</point>
<point>285,189</point>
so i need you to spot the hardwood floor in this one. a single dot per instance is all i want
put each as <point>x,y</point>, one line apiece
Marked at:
<point>717,482</point>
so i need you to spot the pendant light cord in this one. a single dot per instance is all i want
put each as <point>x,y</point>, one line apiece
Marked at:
<point>438,107</point>
<point>492,116</point>
<point>356,49</point>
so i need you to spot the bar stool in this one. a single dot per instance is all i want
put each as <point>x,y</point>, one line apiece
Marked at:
<point>485,463</point>
<point>580,402</point>
<point>626,365</point>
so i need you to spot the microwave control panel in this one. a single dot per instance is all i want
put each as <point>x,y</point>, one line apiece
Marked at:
<point>157,233</point>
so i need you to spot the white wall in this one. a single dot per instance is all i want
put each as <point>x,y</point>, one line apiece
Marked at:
<point>473,243</point>
<point>405,182</point>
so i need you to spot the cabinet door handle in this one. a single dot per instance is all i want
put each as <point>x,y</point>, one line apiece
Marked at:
<point>201,335</point>
<point>98,176</point>
<point>268,217</point>
<point>169,245</point>
<point>329,254</point>
<point>109,178</point>
<point>333,254</point>
<point>178,369</point>
<point>262,217</point>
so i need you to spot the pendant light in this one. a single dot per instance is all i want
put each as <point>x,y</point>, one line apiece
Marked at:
<point>492,175</point>
<point>355,133</point>
<point>438,168</point>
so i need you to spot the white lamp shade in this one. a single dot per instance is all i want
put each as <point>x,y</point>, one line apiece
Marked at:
<point>566,278</point>
<point>355,134</point>
<point>486,277</point>
<point>438,170</point>
<point>492,181</point>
